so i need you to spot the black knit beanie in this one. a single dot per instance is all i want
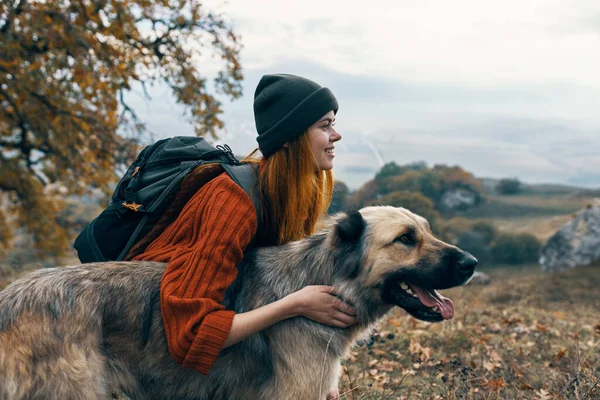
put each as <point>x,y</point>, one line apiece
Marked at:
<point>285,106</point>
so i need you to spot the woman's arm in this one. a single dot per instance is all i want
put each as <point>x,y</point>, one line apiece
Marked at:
<point>318,303</point>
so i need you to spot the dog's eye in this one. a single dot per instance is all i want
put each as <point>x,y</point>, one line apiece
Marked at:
<point>405,239</point>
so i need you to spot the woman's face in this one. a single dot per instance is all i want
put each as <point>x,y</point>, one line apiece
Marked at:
<point>322,136</point>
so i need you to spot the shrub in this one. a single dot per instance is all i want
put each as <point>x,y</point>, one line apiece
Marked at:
<point>451,229</point>
<point>486,230</point>
<point>475,243</point>
<point>424,181</point>
<point>364,195</point>
<point>508,186</point>
<point>413,201</point>
<point>392,169</point>
<point>515,249</point>
<point>340,200</point>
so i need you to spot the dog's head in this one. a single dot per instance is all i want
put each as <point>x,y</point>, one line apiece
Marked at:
<point>395,257</point>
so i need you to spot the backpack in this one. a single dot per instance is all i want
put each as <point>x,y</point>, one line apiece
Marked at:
<point>153,191</point>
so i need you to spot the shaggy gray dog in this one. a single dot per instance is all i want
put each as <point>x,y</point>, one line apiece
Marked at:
<point>87,331</point>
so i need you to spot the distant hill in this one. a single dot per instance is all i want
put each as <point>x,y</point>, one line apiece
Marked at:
<point>538,209</point>
<point>543,189</point>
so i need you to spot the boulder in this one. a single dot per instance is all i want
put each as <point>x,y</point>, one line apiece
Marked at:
<point>576,243</point>
<point>480,278</point>
<point>459,199</point>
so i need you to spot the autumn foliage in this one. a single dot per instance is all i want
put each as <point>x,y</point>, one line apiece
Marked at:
<point>64,69</point>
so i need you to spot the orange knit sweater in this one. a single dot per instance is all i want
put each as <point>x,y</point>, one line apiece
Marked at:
<point>202,248</point>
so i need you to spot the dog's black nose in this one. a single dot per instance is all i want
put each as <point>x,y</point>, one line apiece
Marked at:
<point>466,263</point>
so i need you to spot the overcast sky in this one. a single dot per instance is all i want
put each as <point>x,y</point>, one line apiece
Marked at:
<point>507,88</point>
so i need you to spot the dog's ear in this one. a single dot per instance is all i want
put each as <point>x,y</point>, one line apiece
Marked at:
<point>350,227</point>
<point>349,230</point>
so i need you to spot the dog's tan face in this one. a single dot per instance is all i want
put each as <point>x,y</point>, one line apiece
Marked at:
<point>404,262</point>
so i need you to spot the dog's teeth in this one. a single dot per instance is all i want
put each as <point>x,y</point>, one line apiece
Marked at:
<point>404,286</point>
<point>436,309</point>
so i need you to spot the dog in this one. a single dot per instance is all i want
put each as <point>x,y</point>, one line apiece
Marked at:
<point>88,331</point>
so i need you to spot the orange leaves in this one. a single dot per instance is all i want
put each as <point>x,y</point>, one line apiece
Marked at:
<point>541,327</point>
<point>495,384</point>
<point>416,348</point>
<point>63,66</point>
<point>561,353</point>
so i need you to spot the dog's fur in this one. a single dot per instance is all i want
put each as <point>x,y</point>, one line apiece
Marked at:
<point>84,332</point>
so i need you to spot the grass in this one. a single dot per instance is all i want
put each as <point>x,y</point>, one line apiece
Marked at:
<point>520,206</point>
<point>541,227</point>
<point>527,335</point>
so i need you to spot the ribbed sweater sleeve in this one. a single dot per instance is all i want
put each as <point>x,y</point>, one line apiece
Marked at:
<point>203,247</point>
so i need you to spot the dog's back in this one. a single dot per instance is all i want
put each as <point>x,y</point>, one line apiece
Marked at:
<point>53,324</point>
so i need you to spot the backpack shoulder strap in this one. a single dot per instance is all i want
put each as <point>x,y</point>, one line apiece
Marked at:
<point>246,176</point>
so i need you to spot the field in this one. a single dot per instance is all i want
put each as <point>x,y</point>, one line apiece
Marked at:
<point>541,227</point>
<point>527,335</point>
<point>526,205</point>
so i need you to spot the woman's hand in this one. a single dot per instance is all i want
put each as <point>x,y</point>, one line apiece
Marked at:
<point>320,304</point>
<point>315,302</point>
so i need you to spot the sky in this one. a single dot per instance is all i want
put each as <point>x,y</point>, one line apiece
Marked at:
<point>503,89</point>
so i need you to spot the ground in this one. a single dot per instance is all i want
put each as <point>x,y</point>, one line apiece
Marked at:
<point>527,335</point>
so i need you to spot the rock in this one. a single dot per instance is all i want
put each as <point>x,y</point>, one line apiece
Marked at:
<point>576,243</point>
<point>480,278</point>
<point>459,199</point>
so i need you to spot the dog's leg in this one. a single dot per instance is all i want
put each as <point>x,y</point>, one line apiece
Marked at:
<point>333,388</point>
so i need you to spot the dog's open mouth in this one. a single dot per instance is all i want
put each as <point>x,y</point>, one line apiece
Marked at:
<point>422,303</point>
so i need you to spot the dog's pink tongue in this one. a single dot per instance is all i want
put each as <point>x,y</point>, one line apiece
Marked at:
<point>432,298</point>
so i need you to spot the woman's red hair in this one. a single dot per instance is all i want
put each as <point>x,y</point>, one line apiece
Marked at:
<point>294,193</point>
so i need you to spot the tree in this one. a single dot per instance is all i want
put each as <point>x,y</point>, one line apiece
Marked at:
<point>413,201</point>
<point>392,169</point>
<point>508,186</point>
<point>424,181</point>
<point>64,68</point>
<point>454,177</point>
<point>365,194</point>
<point>339,198</point>
<point>388,170</point>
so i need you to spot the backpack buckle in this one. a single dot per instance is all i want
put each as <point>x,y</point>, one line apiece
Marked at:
<point>132,206</point>
<point>229,153</point>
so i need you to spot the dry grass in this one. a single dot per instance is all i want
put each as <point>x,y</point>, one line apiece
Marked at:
<point>527,206</point>
<point>527,335</point>
<point>541,227</point>
<point>545,202</point>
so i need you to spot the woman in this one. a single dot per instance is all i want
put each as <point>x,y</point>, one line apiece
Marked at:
<point>294,119</point>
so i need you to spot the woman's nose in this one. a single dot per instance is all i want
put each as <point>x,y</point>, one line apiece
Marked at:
<point>335,136</point>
